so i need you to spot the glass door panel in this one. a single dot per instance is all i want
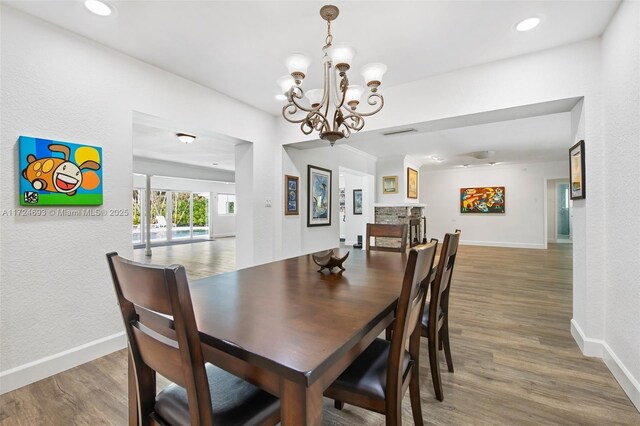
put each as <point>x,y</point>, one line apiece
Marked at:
<point>564,226</point>
<point>181,215</point>
<point>158,216</point>
<point>200,215</point>
<point>136,214</point>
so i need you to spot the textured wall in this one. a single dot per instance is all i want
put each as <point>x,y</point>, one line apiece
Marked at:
<point>55,289</point>
<point>621,88</point>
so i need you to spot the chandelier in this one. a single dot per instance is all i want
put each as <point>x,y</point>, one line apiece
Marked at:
<point>333,110</point>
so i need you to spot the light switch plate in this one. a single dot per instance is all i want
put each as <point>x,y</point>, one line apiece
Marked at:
<point>267,202</point>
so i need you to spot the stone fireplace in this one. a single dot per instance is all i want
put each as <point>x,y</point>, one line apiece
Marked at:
<point>409,214</point>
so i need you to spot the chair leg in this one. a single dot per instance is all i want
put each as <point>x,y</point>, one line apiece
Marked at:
<point>388,332</point>
<point>414,394</point>
<point>435,368</point>
<point>447,346</point>
<point>339,405</point>
<point>393,416</point>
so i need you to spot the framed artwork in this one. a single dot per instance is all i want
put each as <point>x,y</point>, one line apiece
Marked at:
<point>318,196</point>
<point>389,184</point>
<point>291,189</point>
<point>412,183</point>
<point>342,200</point>
<point>357,201</point>
<point>577,171</point>
<point>54,173</point>
<point>486,199</point>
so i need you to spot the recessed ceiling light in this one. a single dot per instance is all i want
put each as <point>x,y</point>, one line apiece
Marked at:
<point>214,164</point>
<point>493,163</point>
<point>528,24</point>
<point>185,138</point>
<point>98,7</point>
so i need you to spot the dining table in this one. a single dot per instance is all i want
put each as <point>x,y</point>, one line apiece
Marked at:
<point>292,330</point>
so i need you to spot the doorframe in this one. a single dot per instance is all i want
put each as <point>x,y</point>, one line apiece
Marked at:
<point>545,206</point>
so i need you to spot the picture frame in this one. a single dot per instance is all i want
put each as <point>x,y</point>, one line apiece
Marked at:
<point>56,173</point>
<point>577,175</point>
<point>412,183</point>
<point>389,184</point>
<point>292,195</point>
<point>357,201</point>
<point>483,200</point>
<point>319,184</point>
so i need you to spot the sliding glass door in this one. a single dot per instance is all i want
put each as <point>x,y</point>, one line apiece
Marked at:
<point>175,215</point>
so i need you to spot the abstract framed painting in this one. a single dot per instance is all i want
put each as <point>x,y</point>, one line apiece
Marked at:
<point>412,183</point>
<point>318,196</point>
<point>54,173</point>
<point>357,201</point>
<point>577,172</point>
<point>485,199</point>
<point>389,184</point>
<point>292,191</point>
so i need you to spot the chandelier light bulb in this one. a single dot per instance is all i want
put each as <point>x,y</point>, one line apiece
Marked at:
<point>286,82</point>
<point>297,64</point>
<point>342,56</point>
<point>354,93</point>
<point>314,96</point>
<point>372,74</point>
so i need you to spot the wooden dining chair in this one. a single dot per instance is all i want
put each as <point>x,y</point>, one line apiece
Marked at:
<point>435,318</point>
<point>387,231</point>
<point>201,394</point>
<point>378,379</point>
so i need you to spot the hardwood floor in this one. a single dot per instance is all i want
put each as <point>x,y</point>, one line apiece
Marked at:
<point>515,360</point>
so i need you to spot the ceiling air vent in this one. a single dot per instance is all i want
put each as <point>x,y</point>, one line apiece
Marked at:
<point>399,131</point>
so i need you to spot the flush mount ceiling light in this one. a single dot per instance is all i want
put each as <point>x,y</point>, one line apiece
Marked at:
<point>185,138</point>
<point>481,155</point>
<point>332,111</point>
<point>528,24</point>
<point>98,7</point>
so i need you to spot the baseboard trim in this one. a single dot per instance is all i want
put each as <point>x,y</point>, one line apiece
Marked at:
<point>627,382</point>
<point>232,234</point>
<point>48,366</point>
<point>502,244</point>
<point>600,348</point>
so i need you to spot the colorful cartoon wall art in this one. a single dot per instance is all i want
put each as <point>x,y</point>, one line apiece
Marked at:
<point>488,199</point>
<point>56,173</point>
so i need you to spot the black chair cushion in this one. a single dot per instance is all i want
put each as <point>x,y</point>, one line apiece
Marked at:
<point>367,375</point>
<point>234,401</point>
<point>425,316</point>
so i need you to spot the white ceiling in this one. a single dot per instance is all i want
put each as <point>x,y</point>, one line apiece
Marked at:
<point>159,142</point>
<point>238,48</point>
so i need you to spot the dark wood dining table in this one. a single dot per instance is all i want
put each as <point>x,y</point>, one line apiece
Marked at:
<point>292,330</point>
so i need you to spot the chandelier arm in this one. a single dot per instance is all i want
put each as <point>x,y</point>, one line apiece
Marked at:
<point>326,97</point>
<point>291,109</point>
<point>370,101</point>
<point>354,122</point>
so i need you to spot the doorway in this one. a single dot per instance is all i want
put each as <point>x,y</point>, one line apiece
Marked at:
<point>559,227</point>
<point>356,204</point>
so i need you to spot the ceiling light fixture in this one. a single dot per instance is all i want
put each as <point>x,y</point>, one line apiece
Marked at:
<point>492,163</point>
<point>98,7</point>
<point>185,138</point>
<point>325,114</point>
<point>527,24</point>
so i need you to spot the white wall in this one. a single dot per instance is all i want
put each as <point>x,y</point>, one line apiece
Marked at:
<point>57,85</point>
<point>353,224</point>
<point>621,88</point>
<point>522,224</point>
<point>296,236</point>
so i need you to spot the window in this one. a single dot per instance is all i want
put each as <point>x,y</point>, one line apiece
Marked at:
<point>226,204</point>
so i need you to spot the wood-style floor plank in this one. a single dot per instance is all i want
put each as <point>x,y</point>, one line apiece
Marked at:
<point>515,360</point>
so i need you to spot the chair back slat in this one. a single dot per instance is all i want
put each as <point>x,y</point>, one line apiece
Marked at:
<point>379,230</point>
<point>163,336</point>
<point>406,330</point>
<point>159,353</point>
<point>442,283</point>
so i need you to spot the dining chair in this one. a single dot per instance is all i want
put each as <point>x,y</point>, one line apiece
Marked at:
<point>387,231</point>
<point>435,318</point>
<point>378,379</point>
<point>163,337</point>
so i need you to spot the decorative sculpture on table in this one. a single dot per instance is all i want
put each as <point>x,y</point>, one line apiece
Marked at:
<point>328,260</point>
